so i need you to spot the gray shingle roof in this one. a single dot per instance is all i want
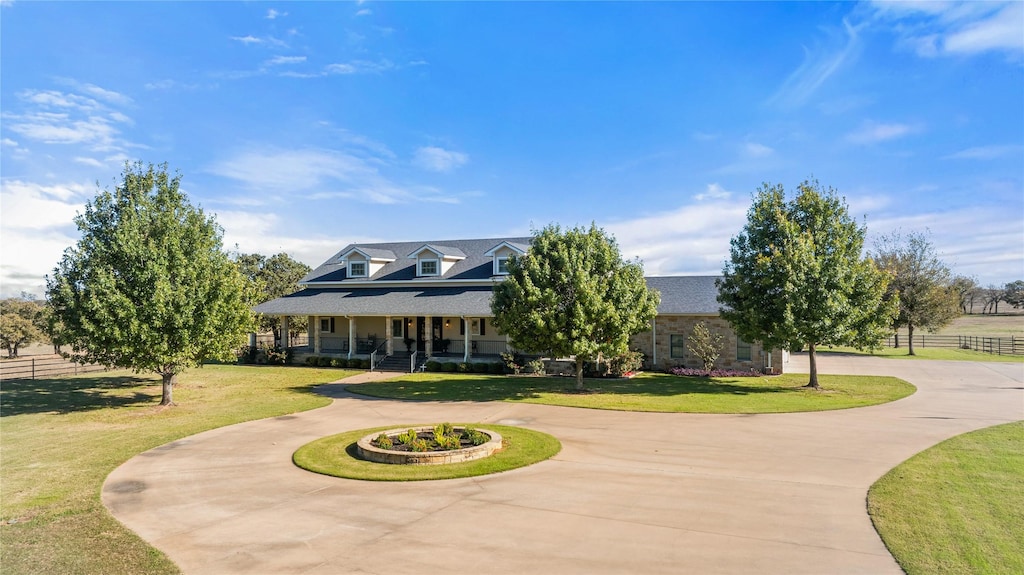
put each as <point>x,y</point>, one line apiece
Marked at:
<point>403,301</point>
<point>476,266</point>
<point>686,294</point>
<point>680,295</point>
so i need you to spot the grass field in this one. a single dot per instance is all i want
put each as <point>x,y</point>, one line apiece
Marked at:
<point>930,353</point>
<point>1002,325</point>
<point>958,507</point>
<point>63,436</point>
<point>652,392</point>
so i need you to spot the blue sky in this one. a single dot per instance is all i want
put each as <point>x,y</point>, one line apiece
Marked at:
<point>307,126</point>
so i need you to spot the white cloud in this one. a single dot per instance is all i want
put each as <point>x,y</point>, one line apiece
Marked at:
<point>9,143</point>
<point>89,162</point>
<point>259,232</point>
<point>438,159</point>
<point>359,66</point>
<point>755,150</point>
<point>285,60</point>
<point>986,152</point>
<point>934,29</point>
<point>818,66</point>
<point>274,14</point>
<point>38,224</point>
<point>692,239</point>
<point>364,12</point>
<point>55,117</point>
<point>874,132</point>
<point>250,39</point>
<point>713,192</point>
<point>984,242</point>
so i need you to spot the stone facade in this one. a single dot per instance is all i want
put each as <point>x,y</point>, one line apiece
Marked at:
<point>657,346</point>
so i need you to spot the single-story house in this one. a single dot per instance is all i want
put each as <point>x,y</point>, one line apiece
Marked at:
<point>408,301</point>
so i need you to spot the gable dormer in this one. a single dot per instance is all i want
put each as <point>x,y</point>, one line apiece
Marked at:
<point>435,261</point>
<point>500,255</point>
<point>365,262</point>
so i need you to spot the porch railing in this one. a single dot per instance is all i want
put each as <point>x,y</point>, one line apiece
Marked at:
<point>480,347</point>
<point>412,361</point>
<point>375,353</point>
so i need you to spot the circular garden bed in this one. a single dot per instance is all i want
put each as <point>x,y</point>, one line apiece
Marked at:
<point>338,455</point>
<point>427,445</point>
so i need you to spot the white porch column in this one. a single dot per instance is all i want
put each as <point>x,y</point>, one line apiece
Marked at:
<point>252,339</point>
<point>284,332</point>
<point>389,336</point>
<point>465,340</point>
<point>351,336</point>
<point>316,334</point>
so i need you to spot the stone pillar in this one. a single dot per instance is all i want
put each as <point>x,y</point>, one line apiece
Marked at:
<point>389,337</point>
<point>285,339</point>
<point>316,334</point>
<point>429,344</point>
<point>351,336</point>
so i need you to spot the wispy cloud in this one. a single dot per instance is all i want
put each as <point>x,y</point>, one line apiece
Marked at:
<point>818,66</point>
<point>875,132</point>
<point>321,174</point>
<point>168,84</point>
<point>438,159</point>
<point>755,150</point>
<point>934,29</point>
<point>359,66</point>
<point>285,60</point>
<point>274,14</point>
<point>250,40</point>
<point>986,152</point>
<point>713,192</point>
<point>364,12</point>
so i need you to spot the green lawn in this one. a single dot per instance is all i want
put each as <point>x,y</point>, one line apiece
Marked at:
<point>335,455</point>
<point>63,436</point>
<point>930,353</point>
<point>652,392</point>
<point>957,507</point>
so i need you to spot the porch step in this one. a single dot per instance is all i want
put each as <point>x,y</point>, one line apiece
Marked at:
<point>395,362</point>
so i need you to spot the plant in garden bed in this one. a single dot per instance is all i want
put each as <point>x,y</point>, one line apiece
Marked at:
<point>443,437</point>
<point>689,372</point>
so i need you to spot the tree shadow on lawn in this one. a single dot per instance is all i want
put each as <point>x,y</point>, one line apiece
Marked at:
<point>72,394</point>
<point>501,388</point>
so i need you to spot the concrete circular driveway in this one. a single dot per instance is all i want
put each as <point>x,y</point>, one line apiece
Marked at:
<point>629,493</point>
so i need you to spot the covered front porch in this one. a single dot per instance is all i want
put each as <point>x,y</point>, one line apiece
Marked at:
<point>376,337</point>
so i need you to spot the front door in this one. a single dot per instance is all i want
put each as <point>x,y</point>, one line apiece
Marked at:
<point>435,333</point>
<point>421,334</point>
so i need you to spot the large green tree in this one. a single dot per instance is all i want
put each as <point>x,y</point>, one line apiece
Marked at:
<point>796,277</point>
<point>148,286</point>
<point>921,283</point>
<point>271,278</point>
<point>1013,293</point>
<point>20,320</point>
<point>572,294</point>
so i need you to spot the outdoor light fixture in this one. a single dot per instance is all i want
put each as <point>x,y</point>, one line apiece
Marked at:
<point>447,323</point>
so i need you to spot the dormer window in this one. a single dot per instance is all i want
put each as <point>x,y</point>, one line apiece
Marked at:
<point>501,266</point>
<point>357,269</point>
<point>428,268</point>
<point>501,254</point>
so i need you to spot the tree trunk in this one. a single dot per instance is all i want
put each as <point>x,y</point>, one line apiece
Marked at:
<point>910,337</point>
<point>814,367</point>
<point>897,346</point>
<point>169,379</point>
<point>579,374</point>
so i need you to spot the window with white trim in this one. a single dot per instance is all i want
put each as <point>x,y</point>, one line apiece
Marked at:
<point>428,268</point>
<point>501,266</point>
<point>357,269</point>
<point>327,325</point>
